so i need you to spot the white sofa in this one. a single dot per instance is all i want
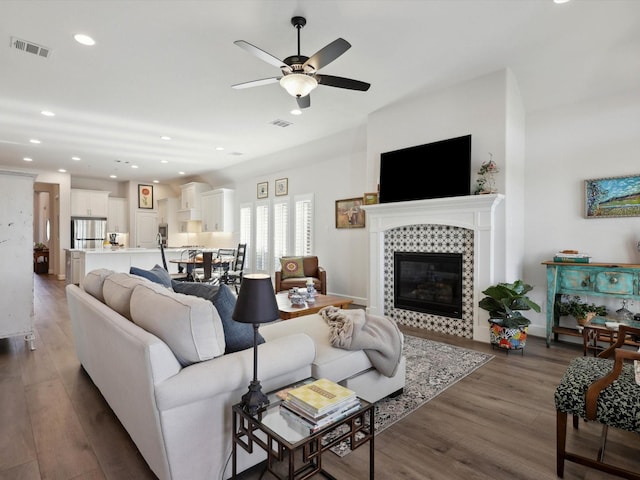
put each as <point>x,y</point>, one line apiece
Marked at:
<point>177,408</point>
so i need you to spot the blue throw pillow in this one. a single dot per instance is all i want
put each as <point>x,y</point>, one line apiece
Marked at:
<point>238,336</point>
<point>157,274</point>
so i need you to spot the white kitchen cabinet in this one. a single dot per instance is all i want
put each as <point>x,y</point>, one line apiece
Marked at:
<point>146,230</point>
<point>117,220</point>
<point>190,201</point>
<point>89,203</point>
<point>217,210</point>
<point>190,194</point>
<point>16,251</point>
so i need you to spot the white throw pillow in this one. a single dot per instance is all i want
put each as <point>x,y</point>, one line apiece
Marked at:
<point>189,325</point>
<point>94,281</point>
<point>117,290</point>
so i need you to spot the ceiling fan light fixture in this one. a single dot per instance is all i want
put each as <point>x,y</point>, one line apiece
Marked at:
<point>298,84</point>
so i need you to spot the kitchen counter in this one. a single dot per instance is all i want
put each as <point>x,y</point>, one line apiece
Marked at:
<point>121,259</point>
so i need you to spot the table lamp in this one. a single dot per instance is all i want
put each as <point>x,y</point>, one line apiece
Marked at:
<point>256,304</point>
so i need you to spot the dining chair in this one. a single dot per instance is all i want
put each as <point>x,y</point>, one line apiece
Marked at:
<point>233,276</point>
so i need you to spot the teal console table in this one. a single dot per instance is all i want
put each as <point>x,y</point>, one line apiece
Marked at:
<point>620,280</point>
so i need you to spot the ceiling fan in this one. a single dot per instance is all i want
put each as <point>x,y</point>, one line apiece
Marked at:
<point>299,73</point>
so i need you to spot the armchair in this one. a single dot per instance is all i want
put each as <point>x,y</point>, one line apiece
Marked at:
<point>604,389</point>
<point>295,271</point>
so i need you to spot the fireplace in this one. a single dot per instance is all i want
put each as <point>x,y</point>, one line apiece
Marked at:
<point>428,282</point>
<point>473,226</point>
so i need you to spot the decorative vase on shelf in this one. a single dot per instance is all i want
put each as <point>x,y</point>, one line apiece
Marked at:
<point>486,182</point>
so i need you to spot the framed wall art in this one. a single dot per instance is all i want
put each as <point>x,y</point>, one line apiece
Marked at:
<point>263,189</point>
<point>612,197</point>
<point>282,186</point>
<point>370,198</point>
<point>349,213</point>
<point>145,196</point>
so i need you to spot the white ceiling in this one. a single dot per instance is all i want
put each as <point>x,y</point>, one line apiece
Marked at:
<point>166,68</point>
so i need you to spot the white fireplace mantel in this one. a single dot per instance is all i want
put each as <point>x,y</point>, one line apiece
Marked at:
<point>474,212</point>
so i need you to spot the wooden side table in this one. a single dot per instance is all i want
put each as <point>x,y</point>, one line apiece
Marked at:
<point>595,334</point>
<point>41,266</point>
<point>284,441</point>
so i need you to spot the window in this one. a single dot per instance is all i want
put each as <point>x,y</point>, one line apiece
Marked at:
<point>280,229</point>
<point>304,224</point>
<point>262,237</point>
<point>245,232</point>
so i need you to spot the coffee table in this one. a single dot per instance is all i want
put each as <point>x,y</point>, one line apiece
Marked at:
<point>288,311</point>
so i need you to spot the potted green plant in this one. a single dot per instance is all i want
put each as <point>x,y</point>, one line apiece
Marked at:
<point>505,303</point>
<point>573,305</point>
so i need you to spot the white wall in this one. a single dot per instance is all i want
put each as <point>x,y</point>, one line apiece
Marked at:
<point>565,146</point>
<point>331,169</point>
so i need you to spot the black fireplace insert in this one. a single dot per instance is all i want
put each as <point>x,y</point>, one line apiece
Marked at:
<point>428,283</point>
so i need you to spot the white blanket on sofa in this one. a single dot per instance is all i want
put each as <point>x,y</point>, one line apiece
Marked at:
<point>378,336</point>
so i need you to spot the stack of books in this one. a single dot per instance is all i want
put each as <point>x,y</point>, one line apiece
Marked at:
<point>318,404</point>
<point>571,256</point>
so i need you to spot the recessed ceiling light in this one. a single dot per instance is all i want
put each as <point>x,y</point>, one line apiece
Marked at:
<point>27,159</point>
<point>156,181</point>
<point>560,1</point>
<point>296,111</point>
<point>84,39</point>
<point>165,137</point>
<point>164,161</point>
<point>77,159</point>
<point>113,176</point>
<point>219,149</point>
<point>34,140</point>
<point>62,170</point>
<point>180,173</point>
<point>134,166</point>
<point>48,113</point>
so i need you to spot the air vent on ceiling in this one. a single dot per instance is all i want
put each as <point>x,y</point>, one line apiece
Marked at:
<point>30,47</point>
<point>280,123</point>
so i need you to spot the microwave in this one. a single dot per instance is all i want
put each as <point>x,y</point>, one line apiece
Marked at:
<point>163,230</point>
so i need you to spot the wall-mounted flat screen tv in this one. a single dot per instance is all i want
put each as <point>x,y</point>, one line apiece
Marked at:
<point>433,170</point>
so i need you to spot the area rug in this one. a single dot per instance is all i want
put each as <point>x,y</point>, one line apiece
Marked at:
<point>432,367</point>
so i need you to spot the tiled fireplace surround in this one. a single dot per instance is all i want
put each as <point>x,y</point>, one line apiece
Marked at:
<point>465,225</point>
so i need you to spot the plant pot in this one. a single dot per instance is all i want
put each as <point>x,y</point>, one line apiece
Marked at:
<point>507,338</point>
<point>586,319</point>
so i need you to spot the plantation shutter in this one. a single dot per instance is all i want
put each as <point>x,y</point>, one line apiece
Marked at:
<point>262,237</point>
<point>280,231</point>
<point>304,225</point>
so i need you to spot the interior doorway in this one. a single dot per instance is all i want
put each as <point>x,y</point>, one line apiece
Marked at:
<point>46,221</point>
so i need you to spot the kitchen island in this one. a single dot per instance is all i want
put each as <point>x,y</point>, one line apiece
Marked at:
<point>119,259</point>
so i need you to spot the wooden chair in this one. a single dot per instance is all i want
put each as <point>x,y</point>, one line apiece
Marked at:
<point>233,276</point>
<point>311,270</point>
<point>601,389</point>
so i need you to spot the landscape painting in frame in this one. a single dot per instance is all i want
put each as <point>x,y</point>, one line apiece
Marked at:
<point>612,197</point>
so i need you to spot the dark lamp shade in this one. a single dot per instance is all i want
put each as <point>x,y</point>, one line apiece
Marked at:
<point>256,301</point>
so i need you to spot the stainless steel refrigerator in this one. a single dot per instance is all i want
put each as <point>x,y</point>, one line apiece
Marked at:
<point>88,232</point>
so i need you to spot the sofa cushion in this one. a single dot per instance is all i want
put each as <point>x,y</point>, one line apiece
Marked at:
<point>157,274</point>
<point>292,267</point>
<point>94,281</point>
<point>333,363</point>
<point>189,325</point>
<point>117,290</point>
<point>238,336</point>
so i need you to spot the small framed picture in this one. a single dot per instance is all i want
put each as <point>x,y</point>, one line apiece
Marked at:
<point>145,196</point>
<point>282,186</point>
<point>349,213</point>
<point>370,198</point>
<point>263,189</point>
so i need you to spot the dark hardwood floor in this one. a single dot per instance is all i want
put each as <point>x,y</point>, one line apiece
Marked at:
<point>497,423</point>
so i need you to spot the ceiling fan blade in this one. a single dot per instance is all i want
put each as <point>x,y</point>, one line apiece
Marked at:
<point>328,54</point>
<point>304,102</point>
<point>262,55</point>
<point>342,82</point>
<point>256,83</point>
